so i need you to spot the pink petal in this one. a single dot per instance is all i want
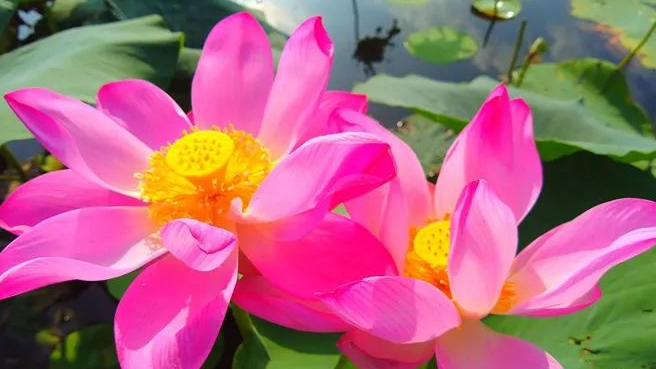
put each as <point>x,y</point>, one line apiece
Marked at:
<point>483,245</point>
<point>312,180</point>
<point>145,110</point>
<point>473,345</point>
<point>199,245</point>
<point>390,210</point>
<point>301,79</point>
<point>54,193</point>
<point>171,314</point>
<point>84,139</point>
<point>369,352</point>
<point>259,297</point>
<point>396,309</point>
<point>414,186</point>
<point>497,146</point>
<point>234,75</point>
<point>337,251</point>
<point>88,244</point>
<point>317,125</point>
<point>560,269</point>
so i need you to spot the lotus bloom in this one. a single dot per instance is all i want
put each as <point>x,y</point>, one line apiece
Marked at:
<point>150,186</point>
<point>456,251</point>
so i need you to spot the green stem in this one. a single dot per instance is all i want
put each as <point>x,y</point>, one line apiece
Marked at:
<point>518,45</point>
<point>627,59</point>
<point>13,162</point>
<point>342,363</point>
<point>243,320</point>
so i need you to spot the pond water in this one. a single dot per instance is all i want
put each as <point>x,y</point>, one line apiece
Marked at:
<point>374,31</point>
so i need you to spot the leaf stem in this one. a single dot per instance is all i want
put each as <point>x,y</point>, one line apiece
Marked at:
<point>518,45</point>
<point>342,363</point>
<point>13,162</point>
<point>627,59</point>
<point>243,320</point>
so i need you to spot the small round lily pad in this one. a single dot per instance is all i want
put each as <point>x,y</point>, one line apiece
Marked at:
<point>441,45</point>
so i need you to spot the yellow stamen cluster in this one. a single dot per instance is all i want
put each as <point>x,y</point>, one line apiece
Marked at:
<point>200,174</point>
<point>428,256</point>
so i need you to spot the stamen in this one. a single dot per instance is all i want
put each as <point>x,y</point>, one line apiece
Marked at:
<point>200,174</point>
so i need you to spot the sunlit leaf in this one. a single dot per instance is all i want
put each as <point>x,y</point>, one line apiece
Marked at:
<point>498,9</point>
<point>78,61</point>
<point>440,45</point>
<point>562,125</point>
<point>625,21</point>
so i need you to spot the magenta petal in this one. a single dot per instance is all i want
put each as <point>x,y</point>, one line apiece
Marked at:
<point>54,193</point>
<point>369,352</point>
<point>330,101</point>
<point>170,315</point>
<point>497,146</point>
<point>337,251</point>
<point>88,244</point>
<point>473,345</point>
<point>259,297</point>
<point>483,246</point>
<point>301,79</point>
<point>83,138</point>
<point>396,309</point>
<point>145,110</point>
<point>315,178</point>
<point>199,245</point>
<point>559,271</point>
<point>234,75</point>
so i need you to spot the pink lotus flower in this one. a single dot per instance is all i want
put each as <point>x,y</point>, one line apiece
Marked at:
<point>150,186</point>
<point>456,250</point>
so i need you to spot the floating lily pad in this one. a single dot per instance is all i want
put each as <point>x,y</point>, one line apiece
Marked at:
<point>78,61</point>
<point>441,45</point>
<point>497,9</point>
<point>408,2</point>
<point>626,22</point>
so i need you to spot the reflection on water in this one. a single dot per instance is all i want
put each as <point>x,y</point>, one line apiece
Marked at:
<point>371,49</point>
<point>568,38</point>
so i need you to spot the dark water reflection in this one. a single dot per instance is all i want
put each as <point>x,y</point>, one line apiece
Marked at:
<point>377,28</point>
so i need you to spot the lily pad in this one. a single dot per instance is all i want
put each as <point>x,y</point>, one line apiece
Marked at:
<point>616,332</point>
<point>429,141</point>
<point>78,61</point>
<point>441,45</point>
<point>194,18</point>
<point>408,2</point>
<point>562,126</point>
<point>625,21</point>
<point>274,347</point>
<point>497,9</point>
